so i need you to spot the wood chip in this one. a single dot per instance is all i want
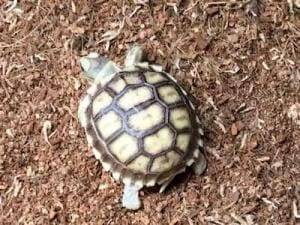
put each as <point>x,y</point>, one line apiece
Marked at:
<point>263,159</point>
<point>47,126</point>
<point>234,130</point>
<point>252,144</point>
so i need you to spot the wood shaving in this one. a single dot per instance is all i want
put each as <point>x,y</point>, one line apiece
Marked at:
<point>244,140</point>
<point>11,6</point>
<point>47,126</point>
<point>238,219</point>
<point>218,121</point>
<point>15,187</point>
<point>294,113</point>
<point>265,65</point>
<point>73,7</point>
<point>270,203</point>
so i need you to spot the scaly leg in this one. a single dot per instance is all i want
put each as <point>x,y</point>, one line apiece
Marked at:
<point>131,198</point>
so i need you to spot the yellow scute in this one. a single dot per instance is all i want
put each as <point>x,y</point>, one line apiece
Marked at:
<point>180,118</point>
<point>134,97</point>
<point>168,94</point>
<point>147,118</point>
<point>159,141</point>
<point>139,164</point>
<point>118,85</point>
<point>182,141</point>
<point>165,162</point>
<point>124,147</point>
<point>108,124</point>
<point>153,77</point>
<point>132,78</point>
<point>101,101</point>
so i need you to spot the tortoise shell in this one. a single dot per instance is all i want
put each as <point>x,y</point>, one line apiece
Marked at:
<point>141,125</point>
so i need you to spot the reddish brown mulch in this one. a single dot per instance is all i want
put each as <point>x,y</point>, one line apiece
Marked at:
<point>243,71</point>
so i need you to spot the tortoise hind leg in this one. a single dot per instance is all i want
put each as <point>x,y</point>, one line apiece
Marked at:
<point>200,164</point>
<point>198,167</point>
<point>165,183</point>
<point>130,199</point>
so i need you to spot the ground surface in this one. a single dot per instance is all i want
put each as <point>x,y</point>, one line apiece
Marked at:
<point>243,71</point>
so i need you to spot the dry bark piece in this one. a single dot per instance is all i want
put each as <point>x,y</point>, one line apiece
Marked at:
<point>252,7</point>
<point>233,38</point>
<point>233,198</point>
<point>234,129</point>
<point>203,43</point>
<point>52,214</point>
<point>212,11</point>
<point>252,144</point>
<point>240,125</point>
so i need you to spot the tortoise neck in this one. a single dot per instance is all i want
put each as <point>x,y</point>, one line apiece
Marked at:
<point>104,78</point>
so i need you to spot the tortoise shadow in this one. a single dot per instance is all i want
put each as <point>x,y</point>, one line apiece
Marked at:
<point>180,179</point>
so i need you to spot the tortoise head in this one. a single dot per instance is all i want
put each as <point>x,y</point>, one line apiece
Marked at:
<point>95,67</point>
